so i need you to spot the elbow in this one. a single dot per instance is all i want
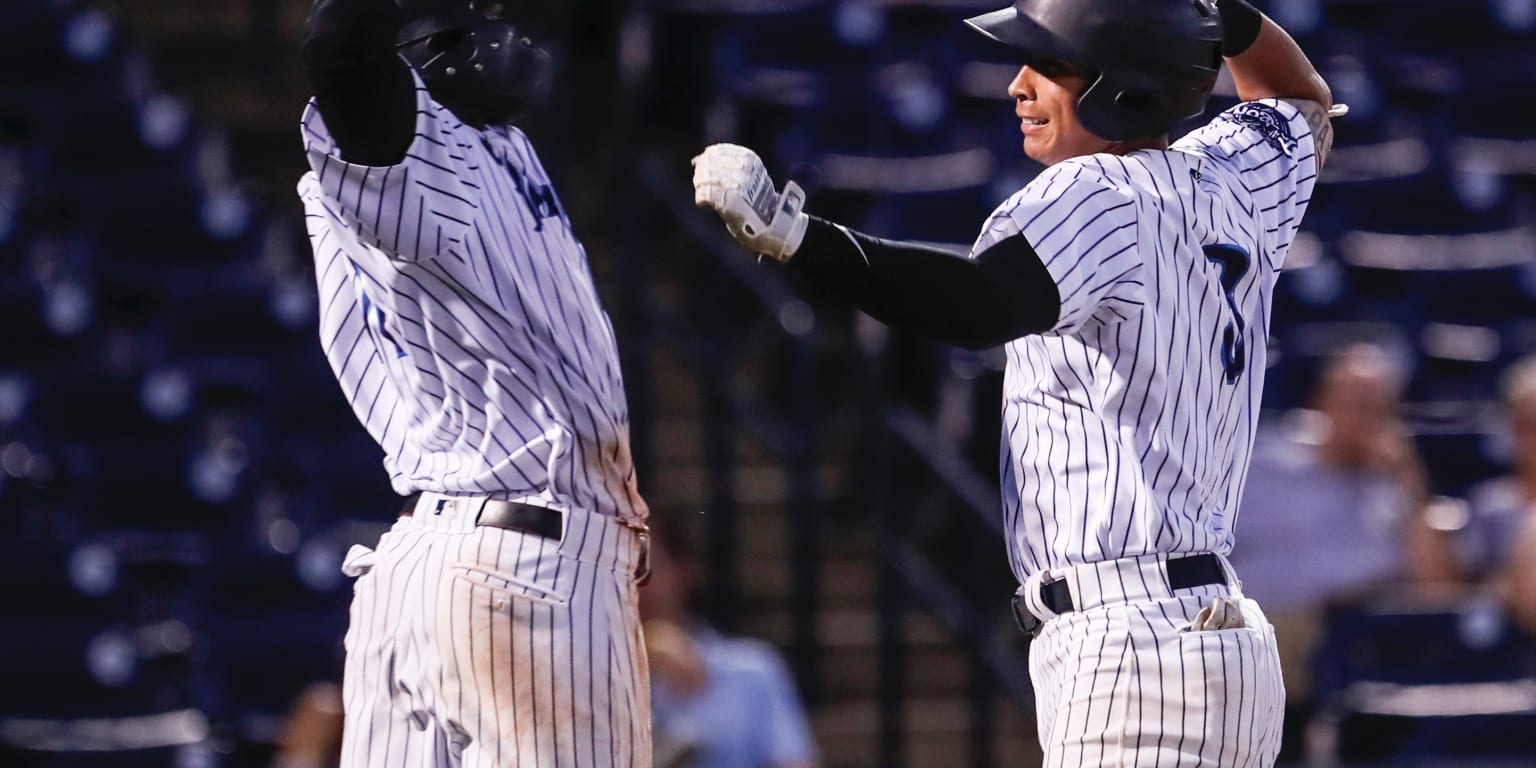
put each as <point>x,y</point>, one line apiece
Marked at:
<point>1321,93</point>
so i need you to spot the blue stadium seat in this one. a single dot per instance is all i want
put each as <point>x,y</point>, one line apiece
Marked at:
<point>179,485</point>
<point>1476,25</point>
<point>185,233</point>
<point>951,216</point>
<point>230,319</point>
<point>345,472</point>
<point>195,754</point>
<point>67,48</point>
<point>273,631</point>
<point>1474,296</point>
<point>136,681</point>
<point>67,667</point>
<point>307,400</point>
<point>1431,203</point>
<point>1405,684</point>
<point>1491,103</point>
<point>1297,351</point>
<point>31,341</point>
<point>755,40</point>
<point>1457,460</point>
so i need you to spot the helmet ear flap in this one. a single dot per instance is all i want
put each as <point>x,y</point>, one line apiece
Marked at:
<point>1116,113</point>
<point>1121,106</point>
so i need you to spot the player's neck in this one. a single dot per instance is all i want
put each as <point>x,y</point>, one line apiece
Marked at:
<point>1158,143</point>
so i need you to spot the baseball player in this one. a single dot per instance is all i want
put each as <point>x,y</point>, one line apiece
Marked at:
<point>1131,284</point>
<point>496,623</point>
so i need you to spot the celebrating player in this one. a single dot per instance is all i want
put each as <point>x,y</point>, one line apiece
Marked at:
<point>1131,282</point>
<point>496,624</point>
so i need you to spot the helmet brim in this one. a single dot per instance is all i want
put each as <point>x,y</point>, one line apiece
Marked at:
<point>1014,30</point>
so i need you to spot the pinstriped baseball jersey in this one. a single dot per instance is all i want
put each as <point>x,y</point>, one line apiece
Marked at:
<point>459,315</point>
<point>1127,428</point>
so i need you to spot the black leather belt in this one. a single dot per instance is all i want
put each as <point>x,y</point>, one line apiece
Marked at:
<point>1183,573</point>
<point>539,521</point>
<point>511,515</point>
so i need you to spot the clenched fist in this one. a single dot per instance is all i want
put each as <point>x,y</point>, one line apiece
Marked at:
<point>732,181</point>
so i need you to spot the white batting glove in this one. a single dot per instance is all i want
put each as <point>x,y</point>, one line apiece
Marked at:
<point>732,181</point>
<point>1222,613</point>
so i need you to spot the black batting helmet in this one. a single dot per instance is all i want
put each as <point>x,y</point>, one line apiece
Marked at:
<point>1155,60</point>
<point>472,50</point>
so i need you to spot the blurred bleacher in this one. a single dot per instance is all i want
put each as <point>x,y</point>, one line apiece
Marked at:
<point>179,474</point>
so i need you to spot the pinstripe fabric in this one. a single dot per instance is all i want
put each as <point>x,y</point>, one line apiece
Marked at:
<point>1127,429</point>
<point>478,646</point>
<point>1127,683</point>
<point>458,312</point>
<point>1127,432</point>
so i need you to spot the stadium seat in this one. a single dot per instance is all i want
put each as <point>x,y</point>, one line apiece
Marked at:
<point>1408,683</point>
<point>272,631</point>
<point>1457,461</point>
<point>230,318</point>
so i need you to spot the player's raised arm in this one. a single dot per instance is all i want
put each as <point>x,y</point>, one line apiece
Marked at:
<point>1002,294</point>
<point>362,87</point>
<point>1264,61</point>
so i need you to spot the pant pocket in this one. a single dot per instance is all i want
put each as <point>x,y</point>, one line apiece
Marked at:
<point>506,584</point>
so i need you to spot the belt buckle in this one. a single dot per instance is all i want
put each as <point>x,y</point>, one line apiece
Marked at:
<point>1028,622</point>
<point>643,568</point>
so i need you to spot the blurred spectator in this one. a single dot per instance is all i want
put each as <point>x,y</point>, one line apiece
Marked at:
<point>1497,545</point>
<point>312,736</point>
<point>718,702</point>
<point>1330,512</point>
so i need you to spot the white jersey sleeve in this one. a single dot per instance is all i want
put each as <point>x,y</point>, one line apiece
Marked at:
<point>412,210</point>
<point>1084,230</point>
<point>1268,145</point>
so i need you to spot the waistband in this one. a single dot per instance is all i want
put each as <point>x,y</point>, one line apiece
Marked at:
<point>1128,580</point>
<point>585,536</point>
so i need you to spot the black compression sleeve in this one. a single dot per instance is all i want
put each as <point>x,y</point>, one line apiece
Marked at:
<point>362,88</point>
<point>1240,24</point>
<point>1002,294</point>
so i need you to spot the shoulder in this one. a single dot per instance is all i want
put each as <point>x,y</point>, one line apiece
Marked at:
<point>1271,119</point>
<point>1080,181</point>
<point>1279,125</point>
<point>1088,172</point>
<point>742,656</point>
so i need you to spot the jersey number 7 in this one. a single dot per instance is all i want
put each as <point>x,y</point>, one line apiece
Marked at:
<point>1233,263</point>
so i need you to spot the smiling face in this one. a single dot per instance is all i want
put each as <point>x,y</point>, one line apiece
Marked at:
<point>1045,97</point>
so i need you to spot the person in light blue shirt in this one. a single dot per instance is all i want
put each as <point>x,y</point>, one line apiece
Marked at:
<point>717,701</point>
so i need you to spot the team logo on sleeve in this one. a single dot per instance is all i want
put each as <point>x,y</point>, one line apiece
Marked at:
<point>1268,122</point>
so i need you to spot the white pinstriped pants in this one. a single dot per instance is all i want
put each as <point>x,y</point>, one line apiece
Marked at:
<point>1123,681</point>
<point>478,647</point>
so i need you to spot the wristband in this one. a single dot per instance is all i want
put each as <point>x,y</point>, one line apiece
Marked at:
<point>1240,23</point>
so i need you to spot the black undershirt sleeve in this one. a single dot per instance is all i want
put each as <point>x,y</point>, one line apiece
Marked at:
<point>1240,24</point>
<point>362,88</point>
<point>1001,295</point>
